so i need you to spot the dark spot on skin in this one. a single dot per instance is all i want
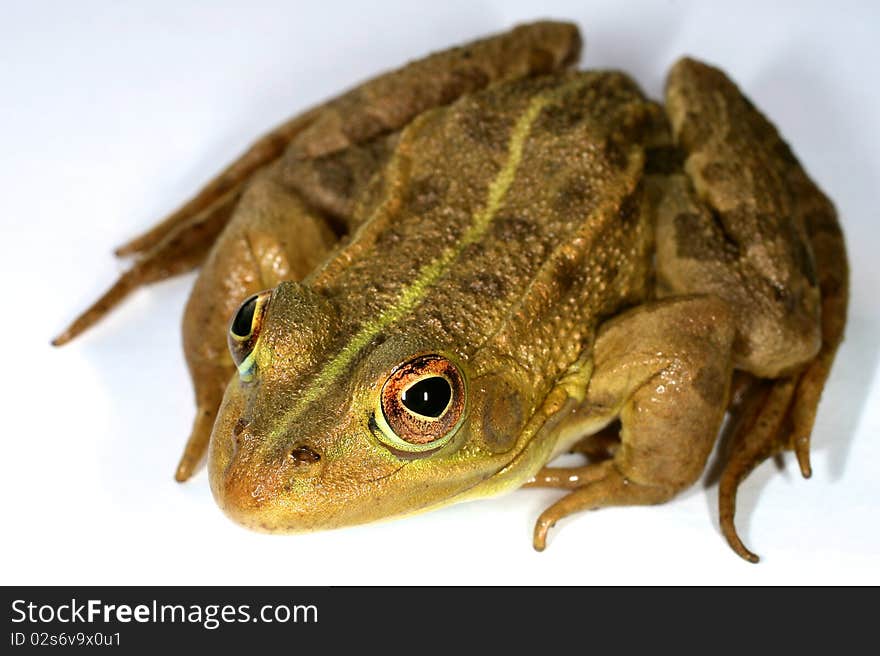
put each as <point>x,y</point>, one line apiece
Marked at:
<point>569,273</point>
<point>822,221</point>
<point>240,425</point>
<point>629,210</point>
<point>304,455</point>
<point>687,225</point>
<point>425,194</point>
<point>615,152</point>
<point>699,238</point>
<point>459,81</point>
<point>558,119</point>
<point>742,347</point>
<point>473,251</point>
<point>803,260</point>
<point>513,228</point>
<point>715,172</point>
<point>388,237</point>
<point>577,193</point>
<point>664,160</point>
<point>361,125</point>
<point>783,296</point>
<point>541,61</point>
<point>709,383</point>
<point>484,284</point>
<point>486,128</point>
<point>336,175</point>
<point>635,123</point>
<point>612,269</point>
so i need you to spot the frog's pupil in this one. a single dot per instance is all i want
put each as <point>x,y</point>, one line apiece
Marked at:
<point>244,318</point>
<point>428,397</point>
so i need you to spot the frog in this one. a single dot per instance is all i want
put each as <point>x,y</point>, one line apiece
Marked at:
<point>427,288</point>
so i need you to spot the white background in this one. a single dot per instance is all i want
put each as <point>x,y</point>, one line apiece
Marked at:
<point>112,113</point>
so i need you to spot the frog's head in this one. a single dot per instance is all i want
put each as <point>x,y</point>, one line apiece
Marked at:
<point>322,428</point>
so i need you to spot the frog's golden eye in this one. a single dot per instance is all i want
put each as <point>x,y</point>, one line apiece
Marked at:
<point>244,329</point>
<point>421,404</point>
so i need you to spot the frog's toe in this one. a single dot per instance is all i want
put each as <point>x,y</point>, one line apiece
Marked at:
<point>197,444</point>
<point>771,417</point>
<point>542,527</point>
<point>603,486</point>
<point>763,421</point>
<point>126,283</point>
<point>210,380</point>
<point>179,252</point>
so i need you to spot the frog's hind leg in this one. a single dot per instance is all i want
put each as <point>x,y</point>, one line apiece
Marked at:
<point>221,193</point>
<point>366,113</point>
<point>742,220</point>
<point>664,370</point>
<point>776,416</point>
<point>181,250</point>
<point>273,236</point>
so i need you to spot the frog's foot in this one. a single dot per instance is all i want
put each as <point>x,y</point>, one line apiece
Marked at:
<point>598,447</point>
<point>565,478</point>
<point>663,369</point>
<point>181,250</point>
<point>771,417</point>
<point>778,415</point>
<point>210,380</point>
<point>596,486</point>
<point>759,434</point>
<point>224,189</point>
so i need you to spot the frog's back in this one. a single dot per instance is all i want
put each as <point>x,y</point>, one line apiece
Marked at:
<point>512,219</point>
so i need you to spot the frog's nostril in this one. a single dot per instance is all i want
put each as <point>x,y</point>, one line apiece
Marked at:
<point>304,455</point>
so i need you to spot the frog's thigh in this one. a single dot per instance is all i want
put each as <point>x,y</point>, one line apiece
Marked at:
<point>382,104</point>
<point>273,236</point>
<point>664,370</point>
<point>734,222</point>
<point>744,221</point>
<point>335,183</point>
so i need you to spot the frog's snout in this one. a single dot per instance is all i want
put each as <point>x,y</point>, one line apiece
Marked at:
<point>262,486</point>
<point>271,494</point>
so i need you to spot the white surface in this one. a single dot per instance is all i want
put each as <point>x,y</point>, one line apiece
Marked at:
<point>112,114</point>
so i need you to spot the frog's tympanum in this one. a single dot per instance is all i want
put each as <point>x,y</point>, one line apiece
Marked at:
<point>433,284</point>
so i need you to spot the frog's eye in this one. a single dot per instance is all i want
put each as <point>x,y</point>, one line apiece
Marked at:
<point>244,329</point>
<point>421,404</point>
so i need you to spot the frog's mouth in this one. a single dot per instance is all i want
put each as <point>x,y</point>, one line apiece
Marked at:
<point>388,475</point>
<point>332,478</point>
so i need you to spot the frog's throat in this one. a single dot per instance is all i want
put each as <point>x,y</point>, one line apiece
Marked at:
<point>410,297</point>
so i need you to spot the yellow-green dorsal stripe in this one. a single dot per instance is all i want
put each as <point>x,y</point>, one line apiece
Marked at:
<point>414,293</point>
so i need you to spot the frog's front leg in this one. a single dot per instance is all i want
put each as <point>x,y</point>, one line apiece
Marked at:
<point>664,370</point>
<point>273,236</point>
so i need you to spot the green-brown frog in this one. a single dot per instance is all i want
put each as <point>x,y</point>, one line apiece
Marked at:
<point>445,277</point>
